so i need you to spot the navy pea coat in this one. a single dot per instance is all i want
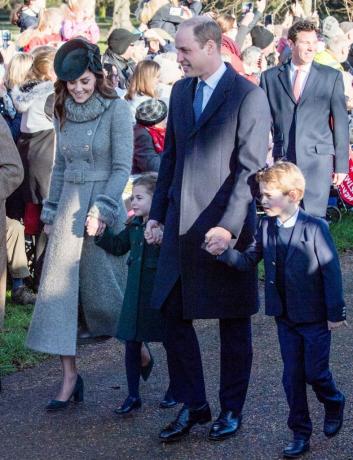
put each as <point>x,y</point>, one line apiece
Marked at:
<point>313,280</point>
<point>312,133</point>
<point>137,320</point>
<point>207,179</point>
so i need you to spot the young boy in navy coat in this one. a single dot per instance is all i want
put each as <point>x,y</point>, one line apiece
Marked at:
<point>303,291</point>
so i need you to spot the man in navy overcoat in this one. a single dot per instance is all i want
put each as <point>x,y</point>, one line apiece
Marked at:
<point>217,138</point>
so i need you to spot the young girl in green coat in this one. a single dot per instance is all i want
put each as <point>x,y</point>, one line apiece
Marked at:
<point>138,322</point>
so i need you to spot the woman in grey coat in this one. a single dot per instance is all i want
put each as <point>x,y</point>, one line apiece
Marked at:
<point>92,166</point>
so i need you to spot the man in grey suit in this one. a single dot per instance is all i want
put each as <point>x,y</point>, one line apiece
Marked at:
<point>217,124</point>
<point>310,122</point>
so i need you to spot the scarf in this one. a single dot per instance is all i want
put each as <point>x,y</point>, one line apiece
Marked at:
<point>89,110</point>
<point>158,137</point>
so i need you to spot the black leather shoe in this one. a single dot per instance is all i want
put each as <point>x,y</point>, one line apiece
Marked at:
<point>77,395</point>
<point>226,425</point>
<point>296,448</point>
<point>185,420</point>
<point>333,421</point>
<point>128,405</point>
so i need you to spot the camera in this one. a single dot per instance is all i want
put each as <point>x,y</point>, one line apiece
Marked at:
<point>5,38</point>
<point>246,7</point>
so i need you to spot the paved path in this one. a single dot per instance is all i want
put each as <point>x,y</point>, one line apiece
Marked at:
<point>90,431</point>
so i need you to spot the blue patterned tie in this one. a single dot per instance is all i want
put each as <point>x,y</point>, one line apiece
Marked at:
<point>198,99</point>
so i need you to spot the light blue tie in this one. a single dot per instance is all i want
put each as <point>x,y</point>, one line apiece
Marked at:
<point>198,99</point>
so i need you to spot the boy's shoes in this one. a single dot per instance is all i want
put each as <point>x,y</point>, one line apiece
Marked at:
<point>23,296</point>
<point>296,448</point>
<point>185,420</point>
<point>128,405</point>
<point>333,421</point>
<point>226,425</point>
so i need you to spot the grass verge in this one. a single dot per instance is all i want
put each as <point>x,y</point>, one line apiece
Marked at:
<point>13,353</point>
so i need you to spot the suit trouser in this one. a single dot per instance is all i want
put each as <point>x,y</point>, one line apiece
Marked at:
<point>305,350</point>
<point>16,250</point>
<point>184,359</point>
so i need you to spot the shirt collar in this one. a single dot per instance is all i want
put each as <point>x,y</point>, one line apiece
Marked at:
<point>212,81</point>
<point>289,222</point>
<point>304,68</point>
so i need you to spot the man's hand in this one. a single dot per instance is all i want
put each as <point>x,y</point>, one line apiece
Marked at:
<point>94,226</point>
<point>153,232</point>
<point>333,326</point>
<point>338,178</point>
<point>261,5</point>
<point>217,240</point>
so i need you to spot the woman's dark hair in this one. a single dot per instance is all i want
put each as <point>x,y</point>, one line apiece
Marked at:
<point>103,87</point>
<point>301,26</point>
<point>1,58</point>
<point>147,180</point>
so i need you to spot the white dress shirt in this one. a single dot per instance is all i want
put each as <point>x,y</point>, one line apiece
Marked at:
<point>305,70</point>
<point>289,222</point>
<point>211,84</point>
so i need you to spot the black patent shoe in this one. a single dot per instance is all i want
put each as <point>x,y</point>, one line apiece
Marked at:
<point>226,425</point>
<point>167,402</point>
<point>128,405</point>
<point>333,421</point>
<point>296,448</point>
<point>77,395</point>
<point>185,420</point>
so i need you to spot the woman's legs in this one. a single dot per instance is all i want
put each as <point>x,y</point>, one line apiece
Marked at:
<point>133,367</point>
<point>69,377</point>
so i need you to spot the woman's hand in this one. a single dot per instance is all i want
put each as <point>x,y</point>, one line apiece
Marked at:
<point>94,226</point>
<point>47,229</point>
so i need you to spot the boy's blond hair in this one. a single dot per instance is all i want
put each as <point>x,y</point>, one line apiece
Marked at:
<point>284,176</point>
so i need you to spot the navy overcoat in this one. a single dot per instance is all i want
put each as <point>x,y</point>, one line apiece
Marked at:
<point>206,179</point>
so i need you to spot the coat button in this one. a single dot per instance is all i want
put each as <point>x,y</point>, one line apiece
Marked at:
<point>89,132</point>
<point>273,262</point>
<point>272,282</point>
<point>64,147</point>
<point>86,147</point>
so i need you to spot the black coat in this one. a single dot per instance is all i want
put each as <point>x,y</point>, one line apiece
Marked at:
<point>306,127</point>
<point>137,320</point>
<point>145,156</point>
<point>205,180</point>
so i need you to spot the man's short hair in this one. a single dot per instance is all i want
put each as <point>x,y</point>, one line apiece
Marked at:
<point>284,176</point>
<point>204,29</point>
<point>301,26</point>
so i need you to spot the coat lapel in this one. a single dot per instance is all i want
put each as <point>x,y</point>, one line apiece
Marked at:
<point>310,83</point>
<point>187,101</point>
<point>285,80</point>
<point>272,238</point>
<point>297,235</point>
<point>216,100</point>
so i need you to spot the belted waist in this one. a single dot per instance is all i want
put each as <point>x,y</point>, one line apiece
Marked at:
<point>80,177</point>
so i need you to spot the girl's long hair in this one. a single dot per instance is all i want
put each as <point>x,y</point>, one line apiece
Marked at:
<point>61,94</point>
<point>141,80</point>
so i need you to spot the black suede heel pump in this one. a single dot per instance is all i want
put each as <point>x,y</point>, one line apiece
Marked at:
<point>77,395</point>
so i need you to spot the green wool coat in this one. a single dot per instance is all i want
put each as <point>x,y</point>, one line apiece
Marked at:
<point>137,320</point>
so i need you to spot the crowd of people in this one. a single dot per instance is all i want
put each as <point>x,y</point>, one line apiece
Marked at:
<point>134,182</point>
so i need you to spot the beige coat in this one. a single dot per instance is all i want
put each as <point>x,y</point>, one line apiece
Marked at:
<point>11,176</point>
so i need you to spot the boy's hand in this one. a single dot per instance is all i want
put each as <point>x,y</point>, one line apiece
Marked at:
<point>333,326</point>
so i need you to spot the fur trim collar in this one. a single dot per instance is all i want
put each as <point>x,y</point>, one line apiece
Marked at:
<point>24,97</point>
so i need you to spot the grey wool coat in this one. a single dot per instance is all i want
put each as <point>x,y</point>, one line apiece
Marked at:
<point>92,165</point>
<point>11,176</point>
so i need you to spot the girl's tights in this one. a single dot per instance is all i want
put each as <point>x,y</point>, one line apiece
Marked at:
<point>133,366</point>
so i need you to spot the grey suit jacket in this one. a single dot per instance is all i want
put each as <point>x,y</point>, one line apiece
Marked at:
<point>316,128</point>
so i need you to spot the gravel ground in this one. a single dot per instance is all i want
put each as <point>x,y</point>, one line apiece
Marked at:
<point>91,431</point>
